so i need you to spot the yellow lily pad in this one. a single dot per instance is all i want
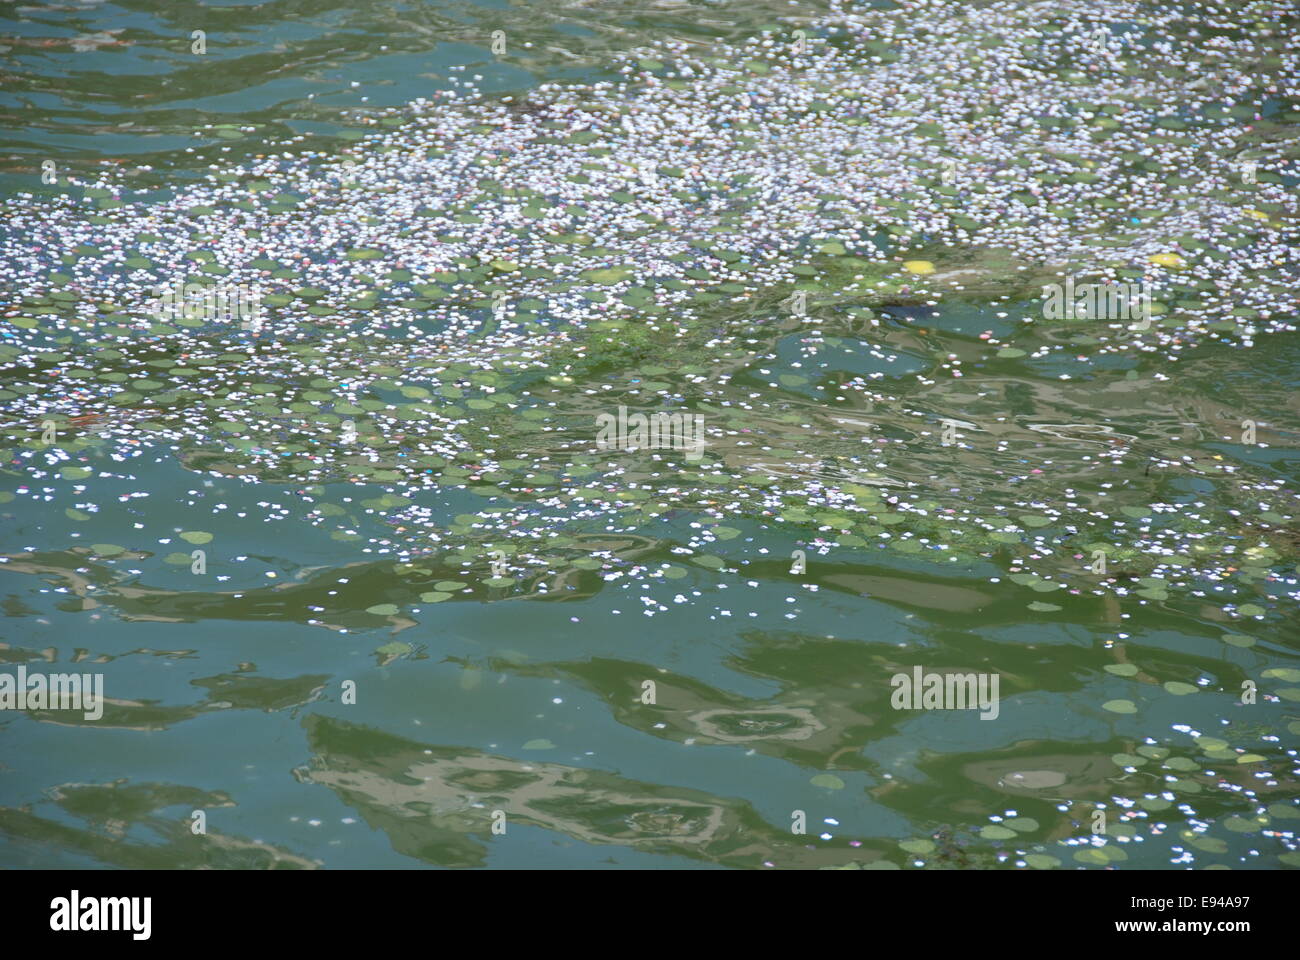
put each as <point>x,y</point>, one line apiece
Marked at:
<point>1167,260</point>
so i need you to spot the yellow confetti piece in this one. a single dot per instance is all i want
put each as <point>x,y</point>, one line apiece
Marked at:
<point>918,266</point>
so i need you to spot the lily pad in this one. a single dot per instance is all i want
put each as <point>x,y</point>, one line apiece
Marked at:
<point>1021,824</point>
<point>995,832</point>
<point>827,780</point>
<point>1171,260</point>
<point>1034,779</point>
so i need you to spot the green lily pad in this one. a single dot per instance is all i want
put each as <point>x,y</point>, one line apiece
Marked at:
<point>995,832</point>
<point>1242,825</point>
<point>609,276</point>
<point>827,780</point>
<point>1290,674</point>
<point>1208,844</point>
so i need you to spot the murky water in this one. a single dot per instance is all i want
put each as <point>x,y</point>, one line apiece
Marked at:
<point>364,587</point>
